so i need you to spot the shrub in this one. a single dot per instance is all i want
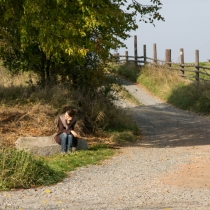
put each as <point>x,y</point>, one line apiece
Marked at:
<point>127,70</point>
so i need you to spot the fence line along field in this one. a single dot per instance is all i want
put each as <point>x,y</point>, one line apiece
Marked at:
<point>195,71</point>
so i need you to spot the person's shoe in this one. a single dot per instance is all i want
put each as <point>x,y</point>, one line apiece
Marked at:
<point>63,153</point>
<point>69,152</point>
<point>74,149</point>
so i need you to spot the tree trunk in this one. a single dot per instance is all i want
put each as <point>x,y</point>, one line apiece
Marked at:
<point>47,69</point>
<point>42,73</point>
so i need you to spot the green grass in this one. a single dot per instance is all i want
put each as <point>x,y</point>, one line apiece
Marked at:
<point>160,81</point>
<point>82,158</point>
<point>206,64</point>
<point>192,75</point>
<point>194,97</point>
<point>20,169</point>
<point>168,85</point>
<point>127,70</point>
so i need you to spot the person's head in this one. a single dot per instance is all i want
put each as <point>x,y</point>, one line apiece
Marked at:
<point>70,114</point>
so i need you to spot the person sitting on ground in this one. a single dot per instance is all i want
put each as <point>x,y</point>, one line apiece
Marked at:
<point>66,136</point>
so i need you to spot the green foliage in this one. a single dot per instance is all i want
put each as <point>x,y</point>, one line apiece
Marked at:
<point>54,37</point>
<point>128,70</point>
<point>192,97</point>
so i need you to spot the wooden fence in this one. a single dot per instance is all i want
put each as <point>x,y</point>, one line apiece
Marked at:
<point>193,71</point>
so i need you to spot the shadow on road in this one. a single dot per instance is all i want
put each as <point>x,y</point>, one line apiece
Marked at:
<point>165,126</point>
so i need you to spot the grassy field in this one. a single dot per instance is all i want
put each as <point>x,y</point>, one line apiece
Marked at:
<point>189,71</point>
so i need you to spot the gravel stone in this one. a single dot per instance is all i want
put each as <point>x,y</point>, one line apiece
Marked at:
<point>131,179</point>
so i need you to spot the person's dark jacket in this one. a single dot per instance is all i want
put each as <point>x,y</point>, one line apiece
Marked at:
<point>63,127</point>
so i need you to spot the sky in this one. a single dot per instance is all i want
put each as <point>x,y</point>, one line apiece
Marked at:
<point>187,26</point>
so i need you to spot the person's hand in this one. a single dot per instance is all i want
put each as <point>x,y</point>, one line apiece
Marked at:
<point>74,134</point>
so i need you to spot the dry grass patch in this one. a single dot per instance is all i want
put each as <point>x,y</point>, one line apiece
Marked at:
<point>33,120</point>
<point>160,80</point>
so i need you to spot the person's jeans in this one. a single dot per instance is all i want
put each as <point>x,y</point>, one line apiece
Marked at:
<point>66,142</point>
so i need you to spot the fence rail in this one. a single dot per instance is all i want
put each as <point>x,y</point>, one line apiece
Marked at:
<point>188,70</point>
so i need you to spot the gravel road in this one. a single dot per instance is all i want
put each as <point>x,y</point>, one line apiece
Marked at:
<point>138,176</point>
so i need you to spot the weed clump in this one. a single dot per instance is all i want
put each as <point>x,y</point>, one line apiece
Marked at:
<point>20,169</point>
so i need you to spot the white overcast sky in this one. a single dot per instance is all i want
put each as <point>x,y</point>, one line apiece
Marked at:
<point>187,26</point>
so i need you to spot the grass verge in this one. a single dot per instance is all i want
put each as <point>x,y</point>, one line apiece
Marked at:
<point>168,85</point>
<point>20,169</point>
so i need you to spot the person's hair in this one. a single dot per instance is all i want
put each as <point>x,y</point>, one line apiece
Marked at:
<point>71,112</point>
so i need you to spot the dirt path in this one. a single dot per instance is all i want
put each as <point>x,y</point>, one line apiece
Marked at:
<point>165,126</point>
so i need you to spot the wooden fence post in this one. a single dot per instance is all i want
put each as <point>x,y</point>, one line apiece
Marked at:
<point>135,49</point>
<point>168,57</point>
<point>126,56</point>
<point>197,65</point>
<point>154,54</point>
<point>145,54</point>
<point>182,61</point>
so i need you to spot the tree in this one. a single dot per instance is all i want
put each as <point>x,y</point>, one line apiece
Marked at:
<point>42,35</point>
